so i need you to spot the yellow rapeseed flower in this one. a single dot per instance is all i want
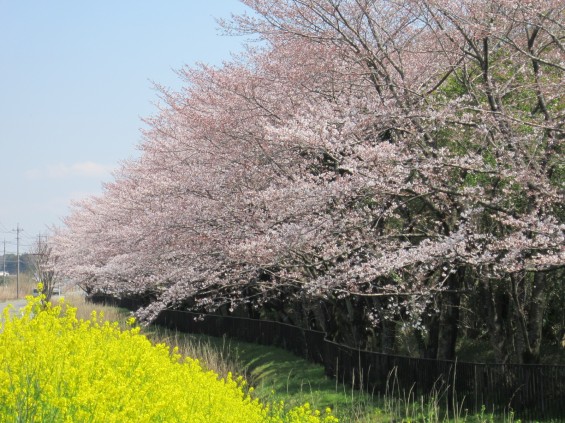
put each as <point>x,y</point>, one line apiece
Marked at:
<point>56,368</point>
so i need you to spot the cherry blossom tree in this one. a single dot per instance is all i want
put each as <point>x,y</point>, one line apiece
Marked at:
<point>368,162</point>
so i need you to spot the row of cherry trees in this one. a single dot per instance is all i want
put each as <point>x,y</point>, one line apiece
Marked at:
<point>368,162</point>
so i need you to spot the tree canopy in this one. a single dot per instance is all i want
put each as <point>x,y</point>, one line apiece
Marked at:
<point>392,151</point>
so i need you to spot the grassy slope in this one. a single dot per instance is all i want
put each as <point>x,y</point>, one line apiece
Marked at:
<point>279,375</point>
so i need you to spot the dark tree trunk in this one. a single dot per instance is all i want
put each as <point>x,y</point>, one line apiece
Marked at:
<point>449,320</point>
<point>388,337</point>
<point>532,327</point>
<point>428,346</point>
<point>497,304</point>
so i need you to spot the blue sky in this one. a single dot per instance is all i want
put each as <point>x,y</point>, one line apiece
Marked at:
<point>75,81</point>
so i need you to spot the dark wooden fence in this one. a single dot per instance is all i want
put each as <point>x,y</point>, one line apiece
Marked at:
<point>531,392</point>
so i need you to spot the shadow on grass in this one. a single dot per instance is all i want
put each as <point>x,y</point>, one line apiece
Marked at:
<point>278,375</point>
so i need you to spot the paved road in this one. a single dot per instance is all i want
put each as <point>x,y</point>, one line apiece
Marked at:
<point>21,302</point>
<point>16,303</point>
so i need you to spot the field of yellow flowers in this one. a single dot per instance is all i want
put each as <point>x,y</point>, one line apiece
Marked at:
<point>57,368</point>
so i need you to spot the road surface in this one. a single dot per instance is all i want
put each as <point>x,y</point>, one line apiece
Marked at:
<point>18,304</point>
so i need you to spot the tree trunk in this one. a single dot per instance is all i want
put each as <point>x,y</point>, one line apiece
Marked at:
<point>449,319</point>
<point>497,306</point>
<point>429,346</point>
<point>533,326</point>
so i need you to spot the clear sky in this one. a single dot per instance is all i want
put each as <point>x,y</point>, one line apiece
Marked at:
<point>75,81</point>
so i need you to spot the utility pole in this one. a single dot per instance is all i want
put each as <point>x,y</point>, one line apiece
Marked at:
<point>4,265</point>
<point>38,260</point>
<point>18,230</point>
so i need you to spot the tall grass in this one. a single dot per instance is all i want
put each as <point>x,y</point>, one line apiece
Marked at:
<point>13,289</point>
<point>85,309</point>
<point>219,357</point>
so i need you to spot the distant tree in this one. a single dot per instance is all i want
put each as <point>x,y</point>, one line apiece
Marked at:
<point>12,263</point>
<point>42,262</point>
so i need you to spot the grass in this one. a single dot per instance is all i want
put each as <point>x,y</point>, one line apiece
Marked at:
<point>213,353</point>
<point>280,375</point>
<point>12,290</point>
<point>274,373</point>
<point>85,309</point>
